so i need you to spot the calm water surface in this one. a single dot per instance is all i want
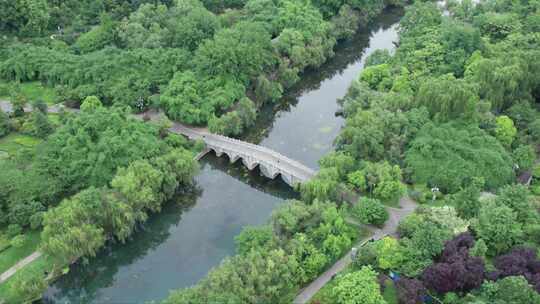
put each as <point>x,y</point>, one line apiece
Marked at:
<point>178,246</point>
<point>304,125</point>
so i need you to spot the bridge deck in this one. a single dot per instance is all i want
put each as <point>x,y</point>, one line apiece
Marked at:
<point>251,154</point>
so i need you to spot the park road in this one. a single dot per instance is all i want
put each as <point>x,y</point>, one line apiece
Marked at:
<point>407,206</point>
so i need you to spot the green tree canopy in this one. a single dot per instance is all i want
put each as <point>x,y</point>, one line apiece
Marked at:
<point>88,148</point>
<point>448,155</point>
<point>513,289</point>
<point>448,98</point>
<point>382,180</point>
<point>498,226</point>
<point>28,17</point>
<point>239,53</point>
<point>505,130</point>
<point>358,287</point>
<point>370,211</point>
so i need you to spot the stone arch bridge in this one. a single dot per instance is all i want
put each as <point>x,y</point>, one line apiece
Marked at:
<point>270,163</point>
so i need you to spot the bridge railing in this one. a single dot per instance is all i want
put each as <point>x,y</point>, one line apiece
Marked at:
<point>275,155</point>
<point>263,149</point>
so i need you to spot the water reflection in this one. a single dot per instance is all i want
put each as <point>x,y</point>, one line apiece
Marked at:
<point>85,279</point>
<point>254,178</point>
<point>179,245</point>
<point>303,125</point>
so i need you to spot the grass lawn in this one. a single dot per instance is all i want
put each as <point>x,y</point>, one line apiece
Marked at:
<point>12,255</point>
<point>15,141</point>
<point>390,292</point>
<point>35,90</point>
<point>38,267</point>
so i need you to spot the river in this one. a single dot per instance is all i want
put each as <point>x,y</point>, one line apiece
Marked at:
<point>177,247</point>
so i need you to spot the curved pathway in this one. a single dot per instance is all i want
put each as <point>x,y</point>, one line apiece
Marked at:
<point>407,206</point>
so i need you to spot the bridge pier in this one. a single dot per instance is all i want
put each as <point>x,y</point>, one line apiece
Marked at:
<point>233,157</point>
<point>269,171</point>
<point>288,179</point>
<point>249,162</point>
<point>218,151</point>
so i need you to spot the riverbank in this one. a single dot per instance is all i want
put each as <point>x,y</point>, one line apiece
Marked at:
<point>406,207</point>
<point>432,118</point>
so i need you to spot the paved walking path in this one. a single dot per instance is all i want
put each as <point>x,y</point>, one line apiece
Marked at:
<point>390,227</point>
<point>11,271</point>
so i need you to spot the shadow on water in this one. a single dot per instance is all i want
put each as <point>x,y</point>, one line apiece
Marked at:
<point>195,231</point>
<point>254,178</point>
<point>87,277</point>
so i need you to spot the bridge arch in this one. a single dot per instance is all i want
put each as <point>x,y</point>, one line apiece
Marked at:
<point>220,152</point>
<point>268,170</point>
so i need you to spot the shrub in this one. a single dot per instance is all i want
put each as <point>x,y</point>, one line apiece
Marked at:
<point>418,196</point>
<point>358,287</point>
<point>410,291</point>
<point>36,220</point>
<point>381,179</point>
<point>40,126</point>
<point>409,225</point>
<point>31,286</point>
<point>370,211</point>
<point>5,126</point>
<point>367,256</point>
<point>498,227</point>
<point>18,241</point>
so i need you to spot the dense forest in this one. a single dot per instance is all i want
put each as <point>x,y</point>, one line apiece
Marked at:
<point>206,63</point>
<point>452,113</point>
<point>449,120</point>
<point>94,179</point>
